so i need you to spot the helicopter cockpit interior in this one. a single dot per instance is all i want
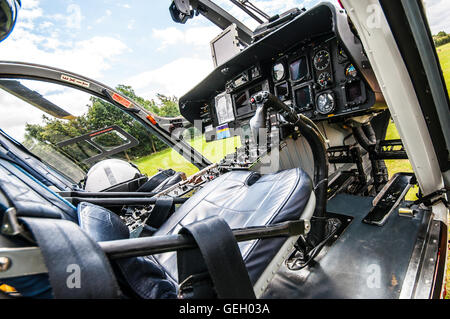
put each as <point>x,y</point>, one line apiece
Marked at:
<point>304,207</point>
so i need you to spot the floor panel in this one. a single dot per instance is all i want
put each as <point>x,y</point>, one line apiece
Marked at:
<point>366,261</point>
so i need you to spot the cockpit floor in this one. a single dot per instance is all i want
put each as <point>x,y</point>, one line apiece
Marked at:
<point>366,261</point>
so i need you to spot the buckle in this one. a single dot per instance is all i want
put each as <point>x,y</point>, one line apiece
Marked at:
<point>12,227</point>
<point>197,286</point>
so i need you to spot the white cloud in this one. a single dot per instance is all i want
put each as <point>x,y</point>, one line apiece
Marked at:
<point>196,36</point>
<point>174,78</point>
<point>179,76</point>
<point>72,19</point>
<point>438,12</point>
<point>45,45</point>
<point>88,57</point>
<point>46,24</point>
<point>30,13</point>
<point>14,117</point>
<point>270,7</point>
<point>108,13</point>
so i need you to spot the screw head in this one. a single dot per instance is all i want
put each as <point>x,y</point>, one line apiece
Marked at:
<point>5,264</point>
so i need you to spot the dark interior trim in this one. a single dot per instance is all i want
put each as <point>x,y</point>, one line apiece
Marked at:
<point>398,20</point>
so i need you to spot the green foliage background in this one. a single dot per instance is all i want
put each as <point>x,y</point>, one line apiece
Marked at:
<point>102,114</point>
<point>441,38</point>
<point>152,154</point>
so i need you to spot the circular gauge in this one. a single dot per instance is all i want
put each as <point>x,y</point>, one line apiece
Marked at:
<point>325,103</point>
<point>350,71</point>
<point>322,60</point>
<point>324,79</point>
<point>278,72</point>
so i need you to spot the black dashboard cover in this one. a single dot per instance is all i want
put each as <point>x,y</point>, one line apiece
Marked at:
<point>318,21</point>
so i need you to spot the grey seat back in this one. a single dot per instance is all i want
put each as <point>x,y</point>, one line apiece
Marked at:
<point>244,199</point>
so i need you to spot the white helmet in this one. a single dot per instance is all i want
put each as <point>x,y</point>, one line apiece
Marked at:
<point>108,173</point>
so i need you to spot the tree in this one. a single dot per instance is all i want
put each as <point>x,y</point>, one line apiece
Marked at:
<point>128,91</point>
<point>102,114</point>
<point>442,34</point>
<point>168,106</point>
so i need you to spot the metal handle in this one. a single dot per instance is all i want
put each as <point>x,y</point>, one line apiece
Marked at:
<point>18,259</point>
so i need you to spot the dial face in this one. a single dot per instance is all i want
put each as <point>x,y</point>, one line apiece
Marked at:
<point>322,60</point>
<point>325,103</point>
<point>278,72</point>
<point>324,79</point>
<point>350,71</point>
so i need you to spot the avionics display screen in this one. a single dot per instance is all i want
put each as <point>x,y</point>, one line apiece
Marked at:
<point>282,91</point>
<point>245,132</point>
<point>303,97</point>
<point>353,91</point>
<point>241,103</point>
<point>299,69</point>
<point>224,109</point>
<point>225,46</point>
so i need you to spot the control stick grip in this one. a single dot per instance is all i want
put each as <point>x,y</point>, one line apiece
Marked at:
<point>271,101</point>
<point>312,135</point>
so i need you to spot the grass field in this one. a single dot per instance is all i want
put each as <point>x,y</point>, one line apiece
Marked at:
<point>214,151</point>
<point>217,150</point>
<point>444,57</point>
<point>397,166</point>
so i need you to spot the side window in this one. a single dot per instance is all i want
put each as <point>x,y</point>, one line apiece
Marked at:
<point>441,39</point>
<point>397,166</point>
<point>213,151</point>
<point>111,140</point>
<point>71,130</point>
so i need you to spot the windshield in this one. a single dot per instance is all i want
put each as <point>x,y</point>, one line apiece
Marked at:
<point>71,130</point>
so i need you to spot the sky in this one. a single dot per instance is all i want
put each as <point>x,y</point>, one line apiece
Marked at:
<point>135,42</point>
<point>132,42</point>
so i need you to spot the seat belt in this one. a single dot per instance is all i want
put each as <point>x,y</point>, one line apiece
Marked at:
<point>77,266</point>
<point>155,181</point>
<point>217,260</point>
<point>162,210</point>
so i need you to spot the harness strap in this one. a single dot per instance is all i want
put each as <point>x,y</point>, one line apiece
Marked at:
<point>77,266</point>
<point>219,255</point>
<point>164,207</point>
<point>155,181</point>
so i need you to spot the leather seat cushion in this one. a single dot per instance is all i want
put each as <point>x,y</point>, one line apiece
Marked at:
<point>141,276</point>
<point>244,199</point>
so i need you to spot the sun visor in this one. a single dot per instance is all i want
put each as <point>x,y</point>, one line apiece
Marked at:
<point>34,98</point>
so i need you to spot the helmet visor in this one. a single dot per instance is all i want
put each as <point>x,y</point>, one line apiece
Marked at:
<point>8,17</point>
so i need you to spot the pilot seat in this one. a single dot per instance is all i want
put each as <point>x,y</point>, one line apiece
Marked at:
<point>240,198</point>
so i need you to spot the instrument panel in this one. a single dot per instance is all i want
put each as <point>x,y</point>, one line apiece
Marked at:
<point>315,64</point>
<point>318,80</point>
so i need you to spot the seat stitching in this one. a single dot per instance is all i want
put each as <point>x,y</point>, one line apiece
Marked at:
<point>198,203</point>
<point>234,210</point>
